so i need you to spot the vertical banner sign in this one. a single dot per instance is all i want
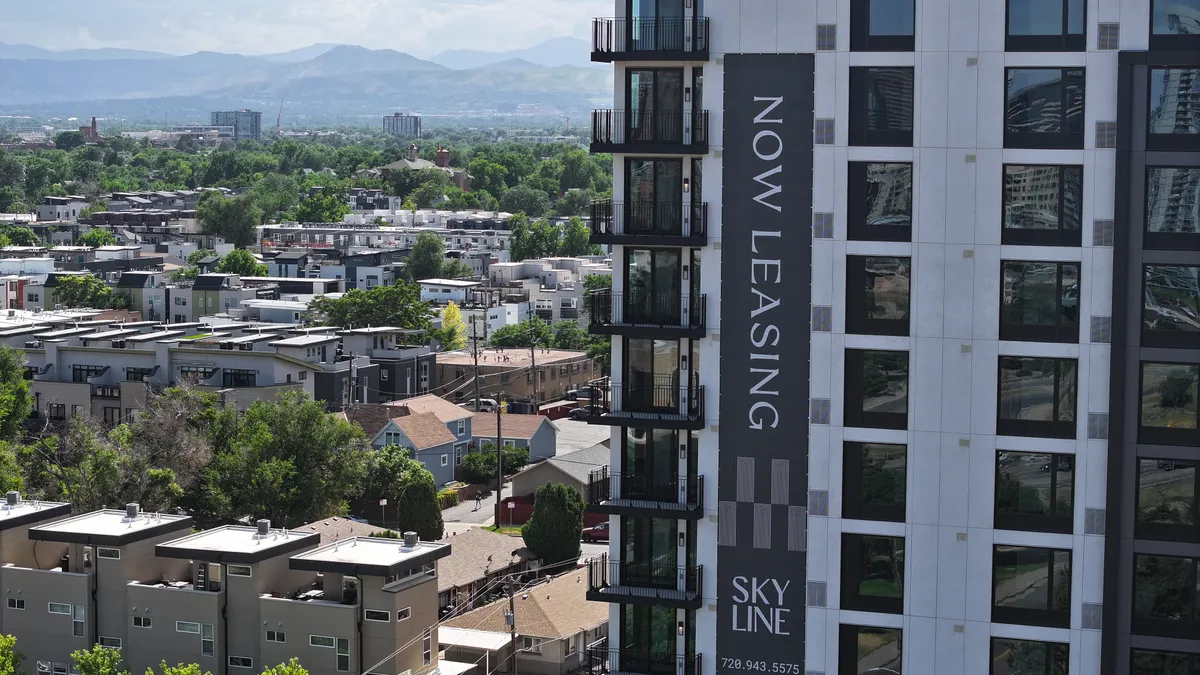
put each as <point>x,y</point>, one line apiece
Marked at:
<point>766,260</point>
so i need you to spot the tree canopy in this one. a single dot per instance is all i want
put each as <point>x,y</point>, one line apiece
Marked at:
<point>554,529</point>
<point>453,333</point>
<point>326,205</point>
<point>96,238</point>
<point>14,392</point>
<point>86,290</point>
<point>99,661</point>
<point>10,658</point>
<point>399,306</point>
<point>532,331</point>
<point>233,218</point>
<point>530,201</point>
<point>241,262</point>
<point>427,258</point>
<point>393,474</point>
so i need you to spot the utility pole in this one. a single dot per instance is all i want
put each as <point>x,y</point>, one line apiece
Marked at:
<point>533,367</point>
<point>512,623</point>
<point>475,351</point>
<point>499,464</point>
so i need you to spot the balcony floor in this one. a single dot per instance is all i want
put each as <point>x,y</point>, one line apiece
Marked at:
<point>642,506</point>
<point>641,595</point>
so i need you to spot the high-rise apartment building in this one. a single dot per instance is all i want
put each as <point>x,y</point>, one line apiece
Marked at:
<point>906,337</point>
<point>247,124</point>
<point>400,124</point>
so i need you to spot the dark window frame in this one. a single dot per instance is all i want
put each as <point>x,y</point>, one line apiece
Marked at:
<point>861,39</point>
<point>858,206</point>
<point>848,645</point>
<point>1165,627</point>
<point>1049,618</point>
<point>81,373</point>
<point>1168,531</point>
<point>1059,333</point>
<point>1195,658</point>
<point>860,134</point>
<point>1166,435</point>
<point>857,296</point>
<point>1184,241</point>
<point>1063,139</point>
<point>853,506</point>
<point>1169,142</point>
<point>854,388</point>
<point>239,377</point>
<point>1023,236</point>
<point>851,598</point>
<point>1170,41</point>
<point>1063,42</point>
<point>1060,523</point>
<point>1050,660</point>
<point>1056,428</point>
<point>1170,339</point>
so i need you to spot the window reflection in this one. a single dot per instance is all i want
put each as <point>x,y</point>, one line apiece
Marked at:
<point>885,382</point>
<point>873,573</point>
<point>1034,491</point>
<point>890,99</point>
<point>1172,300</point>
<point>1146,662</point>
<point>1167,495</point>
<point>1175,17</point>
<point>1037,299</point>
<point>891,17</point>
<point>1031,582</point>
<point>1169,395</point>
<point>883,474</point>
<point>889,195</point>
<point>877,651</point>
<point>1164,594</point>
<point>1043,197</point>
<point>1173,200</point>
<point>1046,102</point>
<point>1029,657</point>
<point>1174,101</point>
<point>1036,390</point>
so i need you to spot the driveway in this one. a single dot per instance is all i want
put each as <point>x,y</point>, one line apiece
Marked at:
<point>467,513</point>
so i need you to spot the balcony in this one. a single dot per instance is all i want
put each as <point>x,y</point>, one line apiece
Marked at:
<point>649,223</point>
<point>645,583</point>
<point>650,131</point>
<point>650,39</point>
<point>646,314</point>
<point>633,494</point>
<point>602,661</point>
<point>659,403</point>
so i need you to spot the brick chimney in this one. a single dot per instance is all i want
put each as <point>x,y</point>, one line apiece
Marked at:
<point>412,152</point>
<point>443,157</point>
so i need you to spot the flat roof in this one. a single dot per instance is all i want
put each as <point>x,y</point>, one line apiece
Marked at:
<point>471,638</point>
<point>448,282</point>
<point>160,335</point>
<point>67,332</point>
<point>109,527</point>
<point>305,340</point>
<point>26,512</point>
<point>511,358</point>
<point>375,330</point>
<point>237,544</point>
<point>369,555</point>
<point>257,337</point>
<point>110,334</point>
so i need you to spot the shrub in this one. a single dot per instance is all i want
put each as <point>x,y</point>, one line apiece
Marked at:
<point>448,498</point>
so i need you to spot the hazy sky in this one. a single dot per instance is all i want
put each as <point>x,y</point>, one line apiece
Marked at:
<point>421,27</point>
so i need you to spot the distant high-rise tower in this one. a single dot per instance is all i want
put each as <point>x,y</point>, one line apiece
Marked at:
<point>247,124</point>
<point>401,124</point>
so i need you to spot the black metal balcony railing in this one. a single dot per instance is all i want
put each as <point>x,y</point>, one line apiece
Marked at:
<point>603,661</point>
<point>648,130</point>
<point>670,491</point>
<point>645,579</point>
<point>650,38</point>
<point>647,309</point>
<point>662,400</point>
<point>648,218</point>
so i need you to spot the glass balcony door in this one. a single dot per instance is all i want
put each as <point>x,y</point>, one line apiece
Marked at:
<point>652,383</point>
<point>655,25</point>
<point>654,192</point>
<point>655,105</point>
<point>649,552</point>
<point>653,287</point>
<point>647,640</point>
<point>650,467</point>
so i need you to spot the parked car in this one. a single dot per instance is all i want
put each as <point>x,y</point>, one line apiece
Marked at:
<point>597,533</point>
<point>586,411</point>
<point>485,405</point>
<point>585,392</point>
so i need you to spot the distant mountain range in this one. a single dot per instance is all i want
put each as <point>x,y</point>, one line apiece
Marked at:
<point>319,79</point>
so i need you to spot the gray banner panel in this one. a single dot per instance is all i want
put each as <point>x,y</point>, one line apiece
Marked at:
<point>766,261</point>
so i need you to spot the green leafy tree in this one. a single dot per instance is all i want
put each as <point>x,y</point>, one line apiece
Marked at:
<point>569,335</point>
<point>576,239</point>
<point>404,182</point>
<point>69,140</point>
<point>11,471</point>
<point>430,195</point>
<point>532,202</point>
<point>600,351</point>
<point>234,218</point>
<point>14,392</point>
<point>393,474</point>
<point>83,290</point>
<point>574,203</point>
<point>453,334</point>
<point>553,530</point>
<point>242,262</point>
<point>532,331</point>
<point>275,194</point>
<point>292,667</point>
<point>179,669</point>
<point>326,206</point>
<point>19,236</point>
<point>427,257</point>
<point>288,460</point>
<point>456,269</point>
<point>399,306</point>
<point>597,282</point>
<point>479,465</point>
<point>10,658</point>
<point>96,238</point>
<point>487,175</point>
<point>99,661</point>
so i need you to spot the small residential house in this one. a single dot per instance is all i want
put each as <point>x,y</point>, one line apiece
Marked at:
<point>533,432</point>
<point>555,623</point>
<point>459,421</point>
<point>427,436</point>
<point>479,556</point>
<point>442,291</point>
<point>570,469</point>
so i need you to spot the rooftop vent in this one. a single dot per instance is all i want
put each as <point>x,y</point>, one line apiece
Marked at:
<point>13,497</point>
<point>410,539</point>
<point>131,510</point>
<point>264,527</point>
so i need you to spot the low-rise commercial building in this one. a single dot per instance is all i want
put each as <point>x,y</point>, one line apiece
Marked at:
<point>508,373</point>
